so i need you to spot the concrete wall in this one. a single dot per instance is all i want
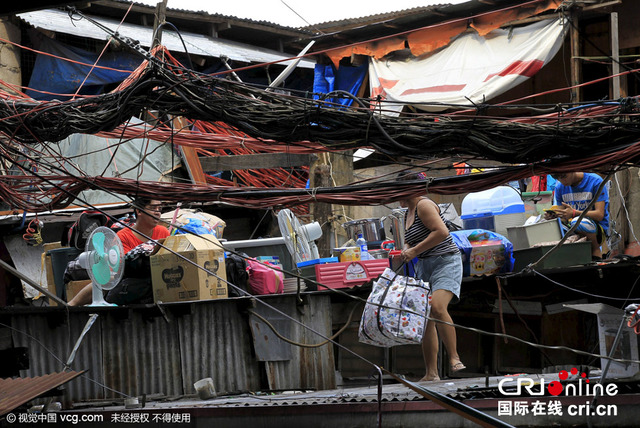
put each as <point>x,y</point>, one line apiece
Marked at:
<point>10,54</point>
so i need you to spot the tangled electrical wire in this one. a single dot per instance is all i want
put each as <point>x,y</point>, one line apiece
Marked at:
<point>287,118</point>
<point>597,136</point>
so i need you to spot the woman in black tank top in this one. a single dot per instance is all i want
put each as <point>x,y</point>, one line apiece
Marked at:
<point>440,264</point>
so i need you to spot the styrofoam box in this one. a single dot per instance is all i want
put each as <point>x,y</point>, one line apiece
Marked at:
<point>504,221</point>
<point>527,236</point>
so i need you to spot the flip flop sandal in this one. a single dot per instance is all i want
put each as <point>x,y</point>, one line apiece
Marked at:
<point>457,367</point>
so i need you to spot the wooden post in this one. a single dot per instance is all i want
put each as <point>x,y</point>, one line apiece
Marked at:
<point>576,75</point>
<point>329,170</point>
<point>618,200</point>
<point>320,176</point>
<point>160,18</point>
<point>615,56</point>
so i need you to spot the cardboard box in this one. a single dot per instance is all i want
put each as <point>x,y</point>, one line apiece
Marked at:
<point>347,254</point>
<point>73,287</point>
<point>48,266</point>
<point>176,280</point>
<point>484,258</point>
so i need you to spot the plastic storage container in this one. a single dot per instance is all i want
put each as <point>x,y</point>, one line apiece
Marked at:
<point>523,237</point>
<point>349,274</point>
<point>494,209</point>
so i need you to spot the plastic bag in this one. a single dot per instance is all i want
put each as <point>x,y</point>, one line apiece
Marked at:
<point>484,252</point>
<point>263,279</point>
<point>396,311</point>
<point>199,227</point>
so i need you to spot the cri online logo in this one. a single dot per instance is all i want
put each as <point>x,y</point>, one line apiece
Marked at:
<point>555,388</point>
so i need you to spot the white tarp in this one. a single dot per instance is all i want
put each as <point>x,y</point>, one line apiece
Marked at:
<point>471,68</point>
<point>90,155</point>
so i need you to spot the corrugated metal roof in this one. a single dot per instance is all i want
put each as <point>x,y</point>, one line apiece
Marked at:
<point>233,18</point>
<point>308,367</point>
<point>16,392</point>
<point>196,44</point>
<point>58,338</point>
<point>140,355</point>
<point>372,19</point>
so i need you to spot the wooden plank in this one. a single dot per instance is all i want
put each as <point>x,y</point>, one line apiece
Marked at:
<point>190,156</point>
<point>255,161</point>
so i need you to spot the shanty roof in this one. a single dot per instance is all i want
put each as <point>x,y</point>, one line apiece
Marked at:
<point>196,44</point>
<point>15,392</point>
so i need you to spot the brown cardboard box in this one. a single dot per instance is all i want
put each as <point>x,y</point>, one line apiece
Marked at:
<point>74,287</point>
<point>175,279</point>
<point>48,266</point>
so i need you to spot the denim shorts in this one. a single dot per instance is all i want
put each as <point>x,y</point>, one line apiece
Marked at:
<point>442,273</point>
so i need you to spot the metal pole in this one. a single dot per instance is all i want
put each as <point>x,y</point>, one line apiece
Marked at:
<point>379,396</point>
<point>287,71</point>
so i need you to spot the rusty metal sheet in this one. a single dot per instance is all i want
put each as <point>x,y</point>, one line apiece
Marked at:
<point>268,346</point>
<point>140,355</point>
<point>16,392</point>
<point>215,342</point>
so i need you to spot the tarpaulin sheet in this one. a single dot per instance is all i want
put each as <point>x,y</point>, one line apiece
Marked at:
<point>471,69</point>
<point>433,37</point>
<point>52,75</point>
<point>91,155</point>
<point>327,78</point>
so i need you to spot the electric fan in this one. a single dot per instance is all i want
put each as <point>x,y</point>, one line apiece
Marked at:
<point>299,238</point>
<point>104,262</point>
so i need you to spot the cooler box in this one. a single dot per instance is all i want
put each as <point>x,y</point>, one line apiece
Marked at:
<point>494,209</point>
<point>307,270</point>
<point>349,274</point>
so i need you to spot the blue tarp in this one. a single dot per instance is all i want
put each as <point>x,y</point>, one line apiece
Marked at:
<point>54,75</point>
<point>326,79</point>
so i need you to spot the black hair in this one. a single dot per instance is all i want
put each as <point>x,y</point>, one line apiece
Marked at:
<point>140,204</point>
